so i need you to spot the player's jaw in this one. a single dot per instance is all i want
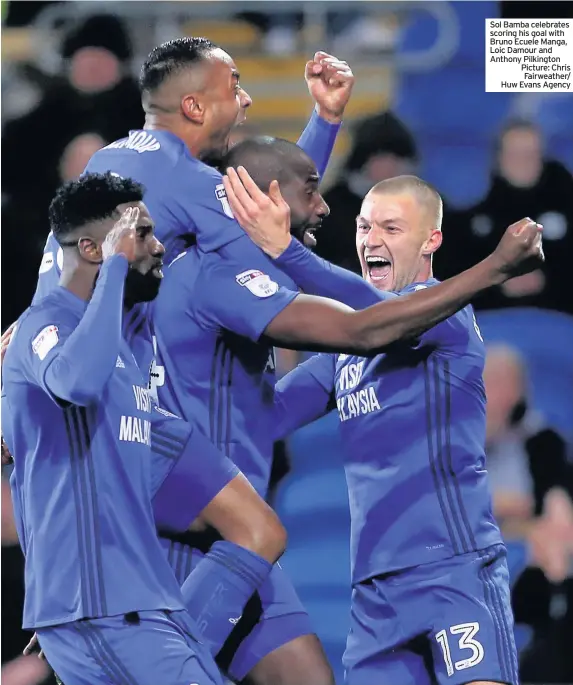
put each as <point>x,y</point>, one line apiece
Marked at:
<point>143,281</point>
<point>305,230</point>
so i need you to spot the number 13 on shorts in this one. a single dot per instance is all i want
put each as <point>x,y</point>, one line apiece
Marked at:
<point>461,639</point>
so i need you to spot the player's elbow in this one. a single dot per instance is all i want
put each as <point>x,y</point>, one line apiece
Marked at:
<point>82,391</point>
<point>74,383</point>
<point>80,394</point>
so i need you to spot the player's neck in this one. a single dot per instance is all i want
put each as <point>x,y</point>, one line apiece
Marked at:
<point>424,273</point>
<point>80,283</point>
<point>157,122</point>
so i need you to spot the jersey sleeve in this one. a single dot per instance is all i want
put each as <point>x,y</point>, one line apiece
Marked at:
<point>447,333</point>
<point>304,394</point>
<point>317,140</point>
<point>316,276</point>
<point>72,361</point>
<point>241,295</point>
<point>199,200</point>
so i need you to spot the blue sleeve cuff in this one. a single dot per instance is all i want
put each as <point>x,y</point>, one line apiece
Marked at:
<point>114,267</point>
<point>294,251</point>
<point>319,121</point>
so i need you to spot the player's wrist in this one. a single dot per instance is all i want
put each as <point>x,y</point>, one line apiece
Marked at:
<point>328,115</point>
<point>494,271</point>
<point>278,249</point>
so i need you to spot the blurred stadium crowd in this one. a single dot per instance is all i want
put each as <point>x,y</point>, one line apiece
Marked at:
<point>69,87</point>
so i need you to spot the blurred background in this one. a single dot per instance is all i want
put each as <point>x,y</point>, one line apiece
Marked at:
<point>69,74</point>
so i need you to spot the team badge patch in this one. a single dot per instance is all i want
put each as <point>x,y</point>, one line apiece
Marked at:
<point>46,339</point>
<point>221,195</point>
<point>257,282</point>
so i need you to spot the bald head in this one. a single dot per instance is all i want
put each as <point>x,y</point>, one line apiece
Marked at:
<point>425,194</point>
<point>268,159</point>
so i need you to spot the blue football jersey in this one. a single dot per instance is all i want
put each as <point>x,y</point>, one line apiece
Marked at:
<point>208,319</point>
<point>184,196</point>
<point>412,422</point>
<point>81,483</point>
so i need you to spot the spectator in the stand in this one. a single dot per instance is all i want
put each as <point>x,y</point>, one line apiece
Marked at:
<point>523,183</point>
<point>382,148</point>
<point>532,490</point>
<point>93,101</point>
<point>94,93</point>
<point>77,154</point>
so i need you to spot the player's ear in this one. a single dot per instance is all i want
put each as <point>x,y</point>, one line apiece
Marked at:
<point>90,250</point>
<point>433,242</point>
<point>193,109</point>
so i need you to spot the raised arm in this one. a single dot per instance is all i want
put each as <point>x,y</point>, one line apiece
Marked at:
<point>314,323</point>
<point>75,366</point>
<point>244,294</point>
<point>78,370</point>
<point>320,325</point>
<point>330,83</point>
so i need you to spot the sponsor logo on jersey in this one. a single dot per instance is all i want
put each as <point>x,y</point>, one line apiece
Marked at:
<point>46,339</point>
<point>221,195</point>
<point>257,282</point>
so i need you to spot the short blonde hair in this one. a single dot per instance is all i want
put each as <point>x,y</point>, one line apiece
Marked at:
<point>424,193</point>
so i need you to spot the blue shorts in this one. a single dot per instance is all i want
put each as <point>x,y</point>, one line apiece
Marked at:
<point>449,622</point>
<point>184,486</point>
<point>272,618</point>
<point>147,648</point>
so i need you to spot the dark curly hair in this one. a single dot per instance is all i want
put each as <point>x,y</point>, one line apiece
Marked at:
<point>92,197</point>
<point>169,58</point>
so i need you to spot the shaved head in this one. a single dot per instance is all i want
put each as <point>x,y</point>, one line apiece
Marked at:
<point>397,232</point>
<point>171,59</point>
<point>190,87</point>
<point>270,159</point>
<point>274,159</point>
<point>424,193</point>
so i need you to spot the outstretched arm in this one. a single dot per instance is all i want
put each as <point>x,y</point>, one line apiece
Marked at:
<point>316,324</point>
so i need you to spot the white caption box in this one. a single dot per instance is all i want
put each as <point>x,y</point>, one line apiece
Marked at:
<point>528,55</point>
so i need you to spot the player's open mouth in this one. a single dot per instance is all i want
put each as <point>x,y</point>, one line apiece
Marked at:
<point>309,237</point>
<point>157,272</point>
<point>378,268</point>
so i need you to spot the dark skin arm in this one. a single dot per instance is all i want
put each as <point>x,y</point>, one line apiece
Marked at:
<point>318,324</point>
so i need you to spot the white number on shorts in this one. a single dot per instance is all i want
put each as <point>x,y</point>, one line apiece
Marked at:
<point>466,641</point>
